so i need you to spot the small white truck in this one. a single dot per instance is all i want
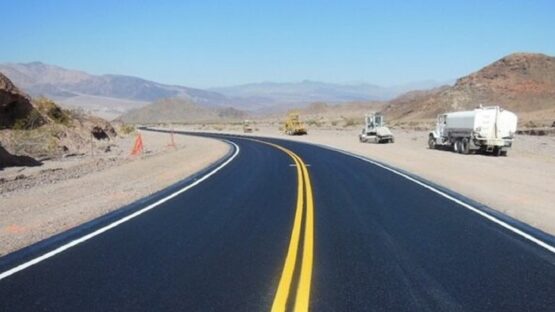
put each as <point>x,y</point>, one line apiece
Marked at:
<point>486,129</point>
<point>375,130</point>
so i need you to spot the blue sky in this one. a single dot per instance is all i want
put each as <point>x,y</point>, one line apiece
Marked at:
<point>214,43</point>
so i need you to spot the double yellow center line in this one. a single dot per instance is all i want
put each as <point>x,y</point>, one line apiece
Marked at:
<point>285,292</point>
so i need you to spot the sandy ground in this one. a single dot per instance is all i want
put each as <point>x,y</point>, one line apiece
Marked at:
<point>38,202</point>
<point>521,185</point>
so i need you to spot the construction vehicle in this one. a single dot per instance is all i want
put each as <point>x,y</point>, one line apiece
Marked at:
<point>294,126</point>
<point>375,130</point>
<point>485,129</point>
<point>247,128</point>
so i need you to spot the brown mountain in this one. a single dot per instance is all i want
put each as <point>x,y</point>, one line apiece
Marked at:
<point>520,82</point>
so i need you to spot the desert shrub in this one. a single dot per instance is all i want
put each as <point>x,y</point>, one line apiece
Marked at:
<point>349,122</point>
<point>126,129</point>
<point>57,114</point>
<point>313,123</point>
<point>530,124</point>
<point>31,121</point>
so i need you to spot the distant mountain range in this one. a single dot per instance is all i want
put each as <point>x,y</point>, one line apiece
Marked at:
<point>112,95</point>
<point>297,94</point>
<point>105,93</point>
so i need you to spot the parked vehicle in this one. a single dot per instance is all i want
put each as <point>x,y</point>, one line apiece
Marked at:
<point>247,128</point>
<point>375,130</point>
<point>485,129</point>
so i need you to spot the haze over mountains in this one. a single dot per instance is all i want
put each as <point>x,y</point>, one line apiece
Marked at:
<point>273,95</point>
<point>521,82</point>
<point>112,95</point>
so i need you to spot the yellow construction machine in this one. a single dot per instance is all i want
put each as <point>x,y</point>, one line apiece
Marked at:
<point>247,128</point>
<point>293,125</point>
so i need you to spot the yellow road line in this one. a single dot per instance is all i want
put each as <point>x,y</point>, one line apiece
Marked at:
<point>305,281</point>
<point>302,295</point>
<point>280,300</point>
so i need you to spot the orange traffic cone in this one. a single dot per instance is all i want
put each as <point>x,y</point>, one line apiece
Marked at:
<point>138,147</point>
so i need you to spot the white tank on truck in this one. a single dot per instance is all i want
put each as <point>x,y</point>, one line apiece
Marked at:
<point>485,129</point>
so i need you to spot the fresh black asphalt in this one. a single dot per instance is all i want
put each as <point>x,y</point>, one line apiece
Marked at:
<point>382,243</point>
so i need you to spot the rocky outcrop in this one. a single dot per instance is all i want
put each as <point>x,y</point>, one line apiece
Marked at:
<point>15,107</point>
<point>9,160</point>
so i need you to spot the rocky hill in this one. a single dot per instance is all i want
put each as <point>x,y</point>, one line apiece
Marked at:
<point>521,82</point>
<point>39,128</point>
<point>15,105</point>
<point>181,111</point>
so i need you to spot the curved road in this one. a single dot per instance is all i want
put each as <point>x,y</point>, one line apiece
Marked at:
<point>286,226</point>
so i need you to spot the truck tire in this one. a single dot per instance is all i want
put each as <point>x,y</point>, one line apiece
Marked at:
<point>497,151</point>
<point>456,147</point>
<point>431,142</point>
<point>465,146</point>
<point>504,153</point>
<point>392,140</point>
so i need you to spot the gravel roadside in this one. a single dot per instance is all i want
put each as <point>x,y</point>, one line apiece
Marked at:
<point>38,202</point>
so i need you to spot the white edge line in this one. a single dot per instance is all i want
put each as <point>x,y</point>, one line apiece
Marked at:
<point>118,222</point>
<point>460,202</point>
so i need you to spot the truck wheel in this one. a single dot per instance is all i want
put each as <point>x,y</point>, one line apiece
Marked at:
<point>431,142</point>
<point>504,153</point>
<point>497,151</point>
<point>456,146</point>
<point>392,140</point>
<point>465,146</point>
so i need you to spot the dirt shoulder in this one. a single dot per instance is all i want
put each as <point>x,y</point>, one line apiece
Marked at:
<point>38,202</point>
<point>520,185</point>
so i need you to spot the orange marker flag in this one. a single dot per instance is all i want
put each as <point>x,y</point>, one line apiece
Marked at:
<point>138,147</point>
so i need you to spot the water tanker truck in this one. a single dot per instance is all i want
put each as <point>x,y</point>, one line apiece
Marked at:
<point>485,129</point>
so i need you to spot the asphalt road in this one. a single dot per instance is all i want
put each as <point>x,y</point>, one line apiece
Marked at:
<point>367,239</point>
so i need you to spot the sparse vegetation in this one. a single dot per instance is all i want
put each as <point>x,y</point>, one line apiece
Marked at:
<point>53,111</point>
<point>313,123</point>
<point>126,129</point>
<point>349,121</point>
<point>530,124</point>
<point>31,121</point>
